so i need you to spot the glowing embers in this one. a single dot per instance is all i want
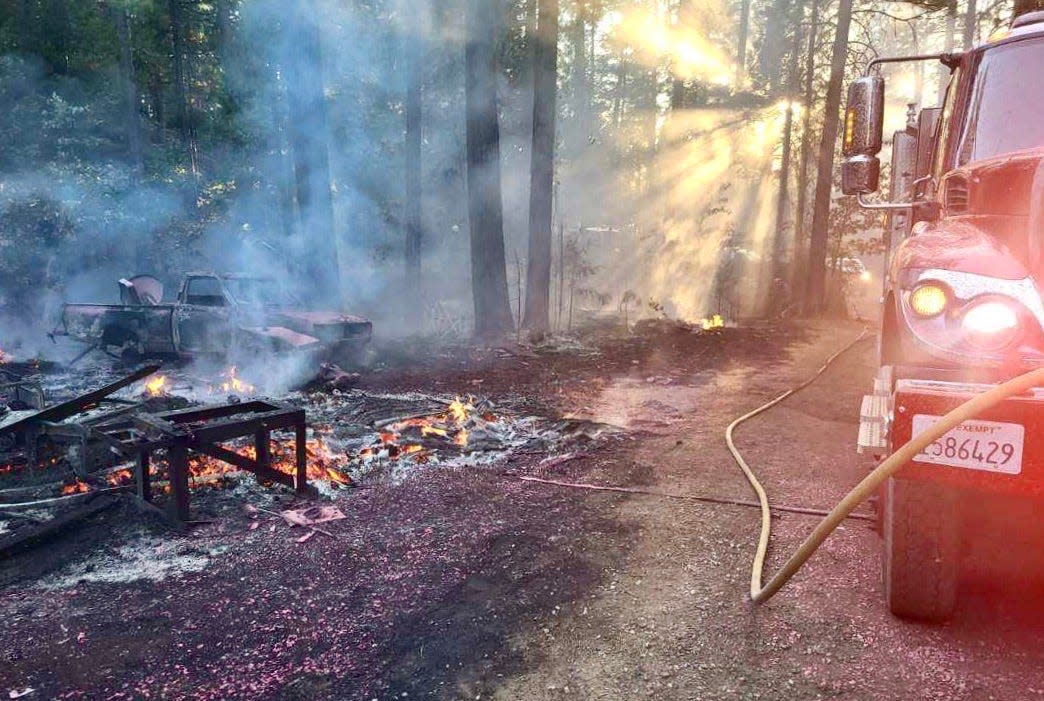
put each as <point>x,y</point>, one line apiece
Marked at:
<point>420,437</point>
<point>204,471</point>
<point>77,487</point>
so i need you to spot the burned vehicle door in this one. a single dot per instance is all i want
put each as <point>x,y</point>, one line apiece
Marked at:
<point>202,318</point>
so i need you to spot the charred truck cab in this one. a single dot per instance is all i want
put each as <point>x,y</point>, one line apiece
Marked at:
<point>962,306</point>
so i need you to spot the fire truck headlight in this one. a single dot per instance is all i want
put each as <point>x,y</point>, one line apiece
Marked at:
<point>991,324</point>
<point>929,299</point>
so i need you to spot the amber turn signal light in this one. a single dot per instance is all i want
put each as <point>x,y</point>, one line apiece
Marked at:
<point>929,300</point>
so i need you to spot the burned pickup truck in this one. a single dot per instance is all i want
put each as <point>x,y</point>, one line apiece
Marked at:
<point>214,314</point>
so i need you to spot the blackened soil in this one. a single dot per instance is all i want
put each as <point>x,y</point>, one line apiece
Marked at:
<point>435,588</point>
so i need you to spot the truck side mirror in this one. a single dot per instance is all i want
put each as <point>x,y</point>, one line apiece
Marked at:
<point>864,117</point>
<point>860,175</point>
<point>863,136</point>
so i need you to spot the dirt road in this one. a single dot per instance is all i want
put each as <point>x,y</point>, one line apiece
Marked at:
<point>470,584</point>
<point>670,620</point>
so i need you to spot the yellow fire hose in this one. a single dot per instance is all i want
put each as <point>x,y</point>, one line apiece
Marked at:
<point>760,594</point>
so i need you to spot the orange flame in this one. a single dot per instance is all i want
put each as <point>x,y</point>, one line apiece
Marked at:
<point>232,383</point>
<point>157,386</point>
<point>459,410</point>
<point>714,322</point>
<point>434,431</point>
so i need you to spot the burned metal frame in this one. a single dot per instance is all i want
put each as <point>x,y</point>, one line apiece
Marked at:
<point>133,434</point>
<point>202,430</point>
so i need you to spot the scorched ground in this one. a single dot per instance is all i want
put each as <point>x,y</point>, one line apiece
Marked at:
<point>461,581</point>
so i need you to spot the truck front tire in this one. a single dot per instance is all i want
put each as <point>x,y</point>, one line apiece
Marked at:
<point>921,549</point>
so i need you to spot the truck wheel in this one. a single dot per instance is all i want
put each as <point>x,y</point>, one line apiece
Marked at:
<point>921,549</point>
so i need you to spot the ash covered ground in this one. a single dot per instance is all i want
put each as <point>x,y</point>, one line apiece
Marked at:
<point>451,578</point>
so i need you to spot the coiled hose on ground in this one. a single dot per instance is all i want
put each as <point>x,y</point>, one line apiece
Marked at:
<point>759,593</point>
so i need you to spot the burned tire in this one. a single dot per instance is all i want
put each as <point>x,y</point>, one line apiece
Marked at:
<point>921,549</point>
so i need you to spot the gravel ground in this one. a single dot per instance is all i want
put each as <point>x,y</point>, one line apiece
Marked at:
<point>468,583</point>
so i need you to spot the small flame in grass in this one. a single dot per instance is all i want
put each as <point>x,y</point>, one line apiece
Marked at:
<point>77,487</point>
<point>4,357</point>
<point>714,322</point>
<point>233,384</point>
<point>157,386</point>
<point>461,438</point>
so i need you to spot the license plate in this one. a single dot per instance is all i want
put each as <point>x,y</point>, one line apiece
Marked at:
<point>976,445</point>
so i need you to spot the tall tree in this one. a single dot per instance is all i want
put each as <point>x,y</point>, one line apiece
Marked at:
<point>485,209</point>
<point>181,89</point>
<point>310,138</point>
<point>542,169</point>
<point>414,104</point>
<point>581,86</point>
<point>122,19</point>
<point>779,248</point>
<point>971,21</point>
<point>741,43</point>
<point>798,277</point>
<point>773,46</point>
<point>817,248</point>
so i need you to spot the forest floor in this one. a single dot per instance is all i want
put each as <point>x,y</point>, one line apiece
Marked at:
<point>469,583</point>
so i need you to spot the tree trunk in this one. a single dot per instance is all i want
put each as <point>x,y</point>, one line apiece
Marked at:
<point>580,84</point>
<point>485,209</point>
<point>817,249</point>
<point>618,91</point>
<point>741,48</point>
<point>223,10</point>
<point>122,19</point>
<point>951,29</point>
<point>678,87</point>
<point>542,170</point>
<point>180,85</point>
<point>25,21</point>
<point>798,276</point>
<point>414,124</point>
<point>774,43</point>
<point>310,137</point>
<point>779,248</point>
<point>282,152</point>
<point>971,21</point>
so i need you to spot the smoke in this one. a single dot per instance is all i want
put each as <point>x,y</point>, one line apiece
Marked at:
<point>656,204</point>
<point>78,216</point>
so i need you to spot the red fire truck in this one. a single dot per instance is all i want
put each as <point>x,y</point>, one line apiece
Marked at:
<point>962,306</point>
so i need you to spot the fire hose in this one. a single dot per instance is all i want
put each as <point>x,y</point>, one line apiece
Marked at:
<point>760,593</point>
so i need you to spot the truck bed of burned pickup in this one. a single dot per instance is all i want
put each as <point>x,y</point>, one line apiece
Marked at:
<point>152,330</point>
<point>114,324</point>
